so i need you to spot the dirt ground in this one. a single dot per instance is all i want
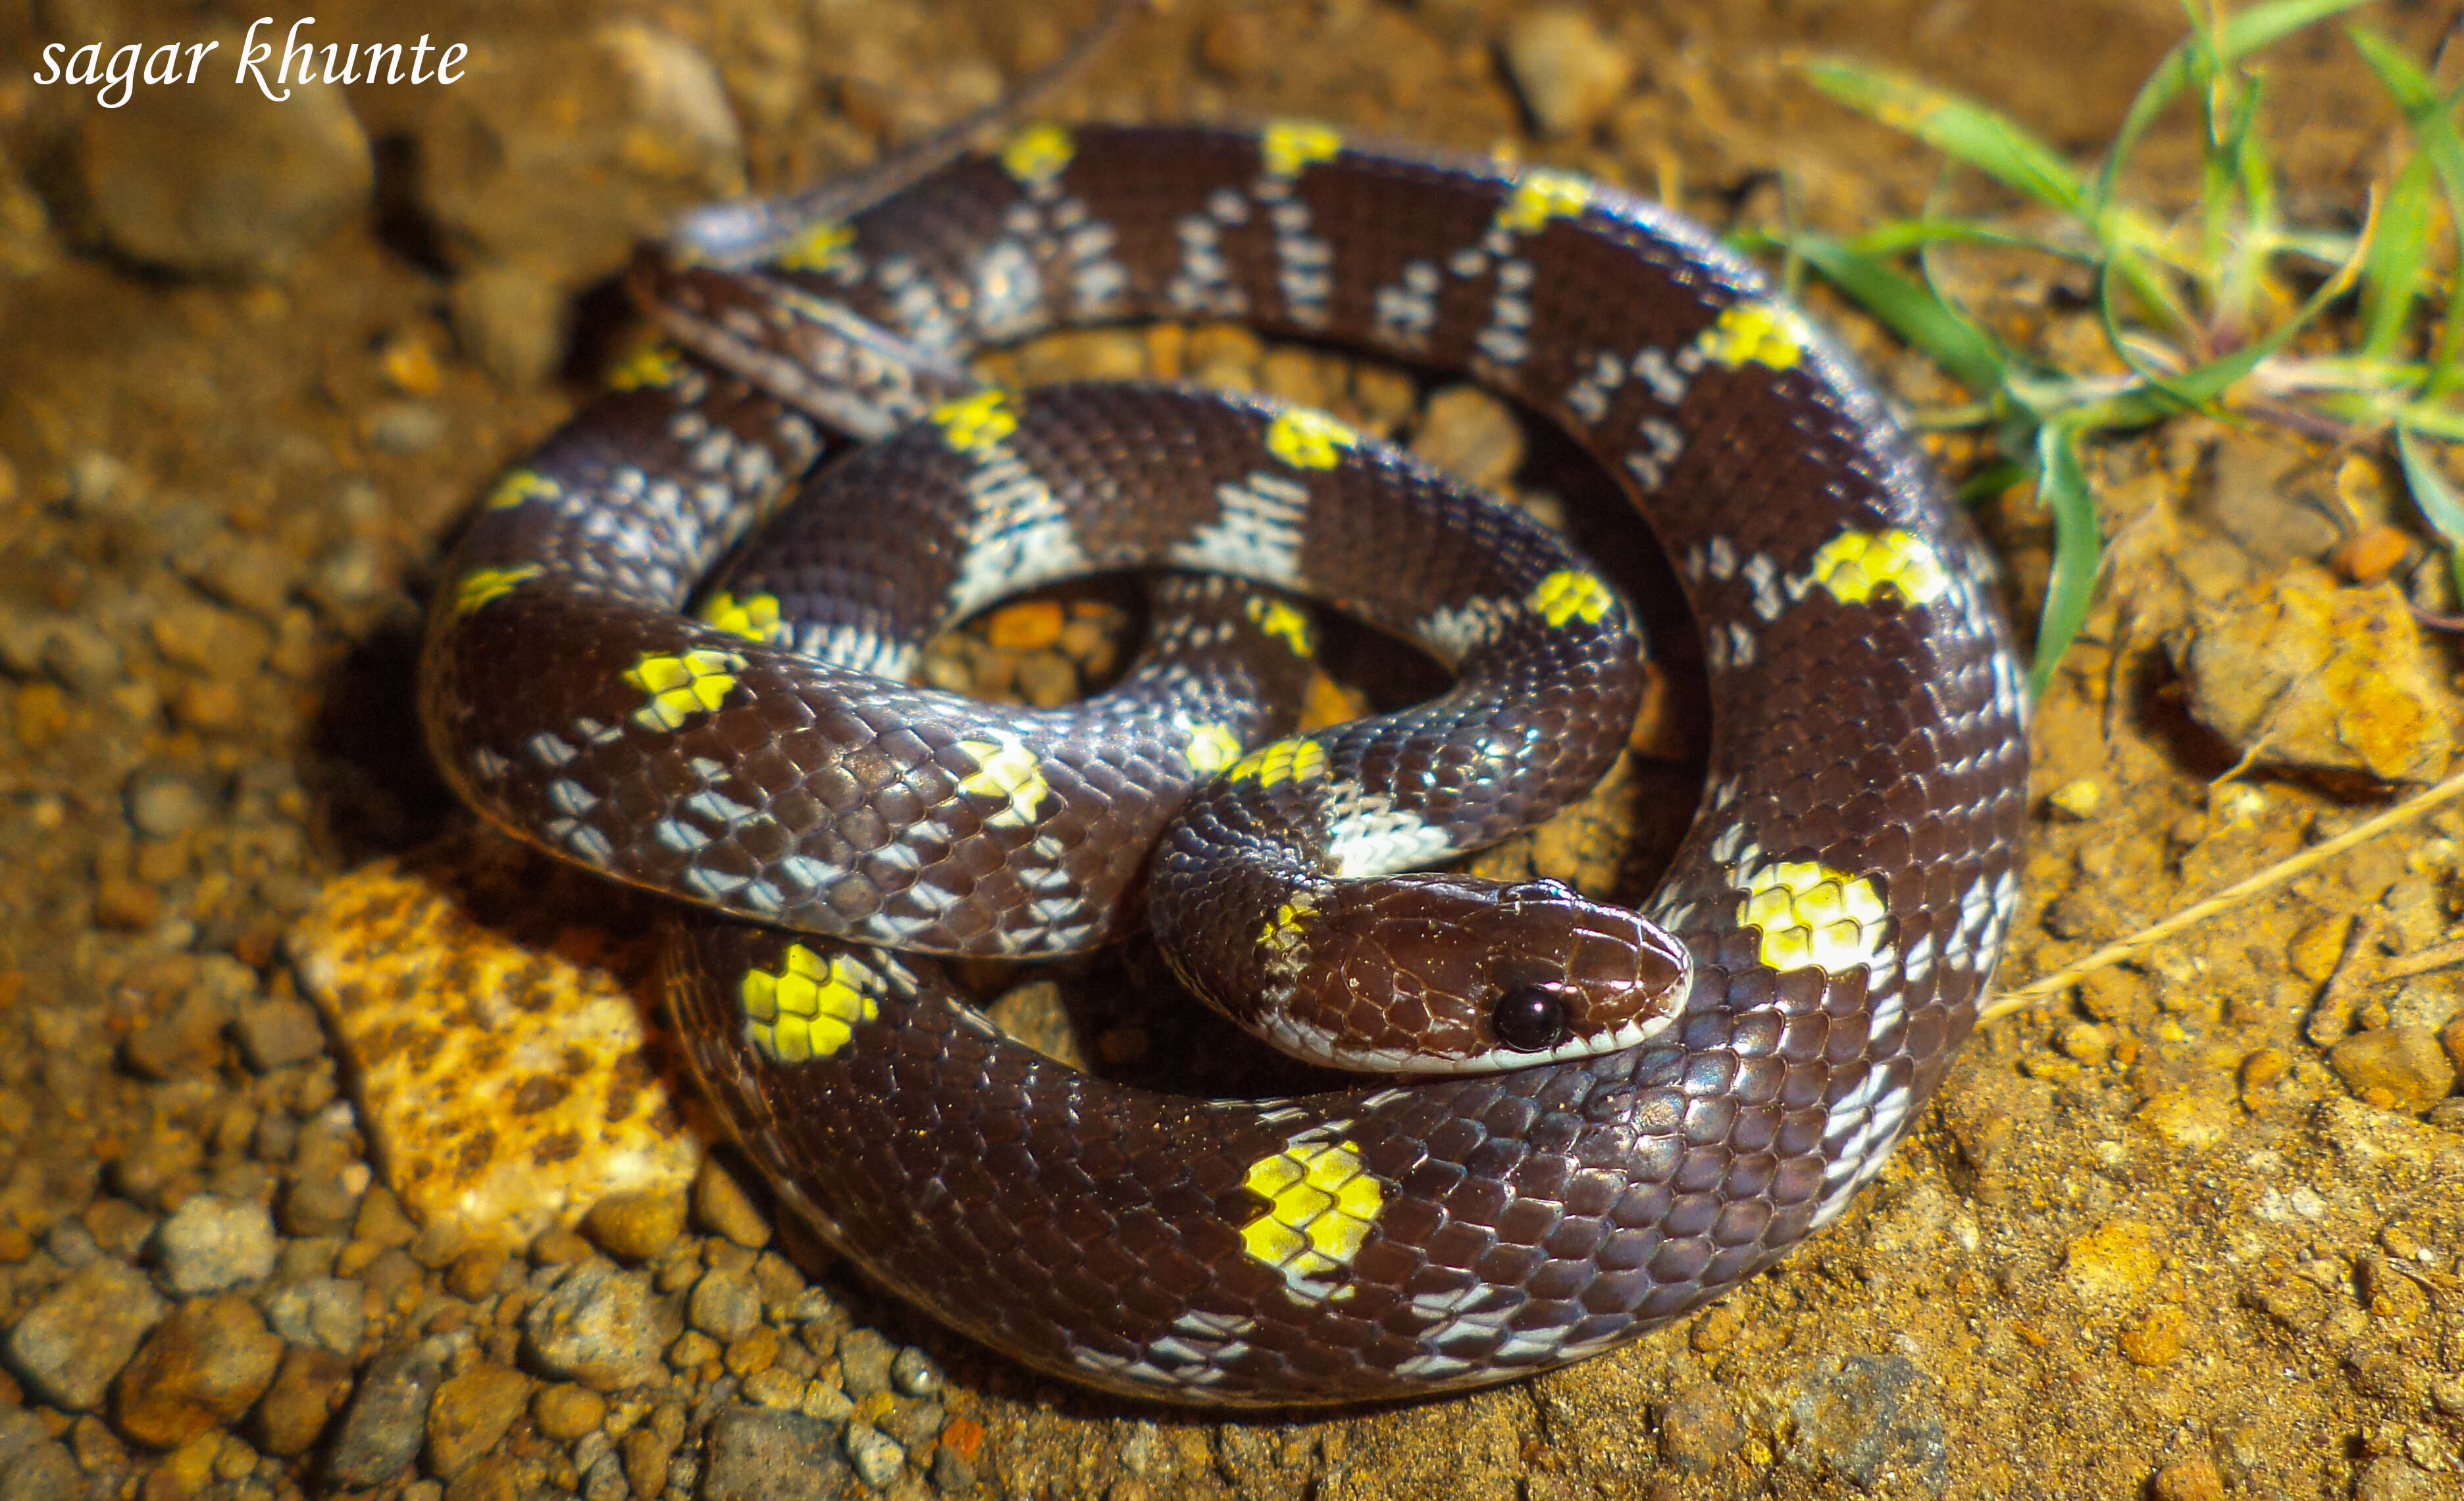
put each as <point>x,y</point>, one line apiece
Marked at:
<point>2148,1241</point>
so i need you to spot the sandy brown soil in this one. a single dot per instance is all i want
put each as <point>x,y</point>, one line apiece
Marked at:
<point>2148,1241</point>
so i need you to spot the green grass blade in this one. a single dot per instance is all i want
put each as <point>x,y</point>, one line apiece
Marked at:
<point>2432,495</point>
<point>2400,76</point>
<point>2241,35</point>
<point>1912,311</point>
<point>1902,235</point>
<point>2435,498</point>
<point>2432,421</point>
<point>1991,480</point>
<point>2433,131</point>
<point>2392,273</point>
<point>2061,483</point>
<point>1960,128</point>
<point>2204,383</point>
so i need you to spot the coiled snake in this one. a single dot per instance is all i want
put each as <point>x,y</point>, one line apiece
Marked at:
<point>1840,900</point>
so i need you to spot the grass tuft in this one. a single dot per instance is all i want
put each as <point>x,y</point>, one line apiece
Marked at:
<point>2200,313</point>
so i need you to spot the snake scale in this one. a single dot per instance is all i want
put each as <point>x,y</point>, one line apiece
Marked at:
<point>1840,899</point>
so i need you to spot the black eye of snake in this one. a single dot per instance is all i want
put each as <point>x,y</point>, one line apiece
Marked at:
<point>1529,1018</point>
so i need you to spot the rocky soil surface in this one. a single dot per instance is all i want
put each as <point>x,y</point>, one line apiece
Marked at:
<point>2193,1229</point>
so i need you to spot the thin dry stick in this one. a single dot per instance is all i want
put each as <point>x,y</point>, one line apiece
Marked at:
<point>2445,955</point>
<point>2353,974</point>
<point>2047,986</point>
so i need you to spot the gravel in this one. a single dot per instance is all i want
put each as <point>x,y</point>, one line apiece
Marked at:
<point>602,1327</point>
<point>212,181</point>
<point>68,1348</point>
<point>321,1312</point>
<point>386,1422</point>
<point>210,1243</point>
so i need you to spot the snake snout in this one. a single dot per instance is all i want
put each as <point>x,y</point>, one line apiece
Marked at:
<point>1616,978</point>
<point>1449,975</point>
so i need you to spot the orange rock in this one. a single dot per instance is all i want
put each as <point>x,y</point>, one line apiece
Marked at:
<point>471,1414</point>
<point>2370,555</point>
<point>2294,671</point>
<point>309,1388</point>
<point>203,1366</point>
<point>1027,625</point>
<point>492,1007</point>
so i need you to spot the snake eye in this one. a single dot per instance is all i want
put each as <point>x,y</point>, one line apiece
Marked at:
<point>1529,1018</point>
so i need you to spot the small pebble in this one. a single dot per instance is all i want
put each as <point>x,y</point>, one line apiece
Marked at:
<point>1471,435</point>
<point>475,1272</point>
<point>1863,1417</point>
<point>2190,1480</point>
<point>204,1366</point>
<point>511,320</point>
<point>864,1362</point>
<point>2193,1118</point>
<point>214,181</point>
<point>1568,73</point>
<point>875,1455</point>
<point>317,1204</point>
<point>324,1312</point>
<point>635,1226</point>
<point>2114,1261</point>
<point>913,1373</point>
<point>72,1244</point>
<point>70,1345</point>
<point>606,1480</point>
<point>565,1410</point>
<point>470,1413</point>
<point>2393,1477</point>
<point>380,1221</point>
<point>913,1423</point>
<point>775,1387</point>
<point>827,1402</point>
<point>954,1475</point>
<point>83,658</point>
<point>386,1422</point>
<point>558,1249</point>
<point>2157,1340</point>
<point>405,427</point>
<point>2370,554</point>
<point>1047,679</point>
<point>2079,799</point>
<point>253,576</point>
<point>755,1352</point>
<point>410,366</point>
<point>164,801</point>
<point>129,906</point>
<point>45,1472</point>
<point>601,1327</point>
<point>210,1243</point>
<point>439,1244</point>
<point>2401,1068</point>
<point>1026,626</point>
<point>647,1451</point>
<point>721,1206</point>
<point>1699,1428</point>
<point>2296,671</point>
<point>187,1041</point>
<point>771,1454</point>
<point>2085,1042</point>
<point>278,1033</point>
<point>691,1351</point>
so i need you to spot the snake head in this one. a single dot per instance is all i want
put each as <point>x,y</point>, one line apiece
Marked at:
<point>1443,974</point>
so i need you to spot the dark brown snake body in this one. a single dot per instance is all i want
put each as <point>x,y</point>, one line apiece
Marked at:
<point>1841,897</point>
